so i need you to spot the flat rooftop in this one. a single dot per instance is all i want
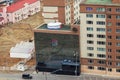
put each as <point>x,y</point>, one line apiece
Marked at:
<point>63,27</point>
<point>100,2</point>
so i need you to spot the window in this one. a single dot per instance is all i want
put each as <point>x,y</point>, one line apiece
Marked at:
<point>117,9</point>
<point>101,55</point>
<point>89,35</point>
<point>117,57</point>
<point>109,16</point>
<point>100,36</point>
<point>100,42</point>
<point>118,17</point>
<point>90,67</point>
<point>89,29</point>
<point>109,37</point>
<point>117,70</point>
<point>101,68</point>
<point>90,61</point>
<point>89,8</point>
<point>100,16</point>
<point>90,48</point>
<point>109,24</point>
<point>118,24</point>
<point>109,50</point>
<point>109,9</point>
<point>109,57</point>
<point>100,9</point>
<point>118,50</point>
<point>101,29</point>
<point>89,15</point>
<point>109,30</point>
<point>89,22</point>
<point>118,64</point>
<point>102,62</point>
<point>117,30</point>
<point>90,54</point>
<point>109,43</point>
<point>89,42</point>
<point>118,44</point>
<point>109,69</point>
<point>118,37</point>
<point>109,63</point>
<point>100,23</point>
<point>101,49</point>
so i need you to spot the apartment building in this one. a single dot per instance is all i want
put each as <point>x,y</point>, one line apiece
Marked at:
<point>18,10</point>
<point>100,37</point>
<point>65,11</point>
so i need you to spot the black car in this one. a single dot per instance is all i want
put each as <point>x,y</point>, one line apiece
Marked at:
<point>26,76</point>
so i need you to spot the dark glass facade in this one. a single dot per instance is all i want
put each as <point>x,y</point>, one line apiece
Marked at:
<point>53,50</point>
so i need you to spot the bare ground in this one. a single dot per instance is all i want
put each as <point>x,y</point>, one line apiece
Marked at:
<point>10,34</point>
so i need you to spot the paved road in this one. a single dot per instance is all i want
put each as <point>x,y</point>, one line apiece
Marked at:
<point>48,76</point>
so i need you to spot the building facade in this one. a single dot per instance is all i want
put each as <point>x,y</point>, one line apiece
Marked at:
<point>16,11</point>
<point>100,38</point>
<point>57,48</point>
<point>65,11</point>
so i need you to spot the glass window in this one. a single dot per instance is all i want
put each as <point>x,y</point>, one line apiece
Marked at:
<point>118,30</point>
<point>89,8</point>
<point>109,37</point>
<point>118,24</point>
<point>90,61</point>
<point>89,22</point>
<point>118,17</point>
<point>118,37</point>
<point>89,42</point>
<point>117,70</point>
<point>109,9</point>
<point>118,44</point>
<point>109,16</point>
<point>109,50</point>
<point>89,29</point>
<point>109,24</point>
<point>102,62</point>
<point>90,54</point>
<point>109,43</point>
<point>100,42</point>
<point>101,55</point>
<point>109,30</point>
<point>117,57</point>
<point>100,16</point>
<point>117,9</point>
<point>100,23</point>
<point>101,29</point>
<point>101,49</point>
<point>101,68</point>
<point>89,15</point>
<point>109,69</point>
<point>118,64</point>
<point>100,36</point>
<point>90,48</point>
<point>90,67</point>
<point>118,50</point>
<point>100,9</point>
<point>89,35</point>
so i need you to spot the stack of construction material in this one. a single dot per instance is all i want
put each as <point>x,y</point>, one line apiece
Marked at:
<point>22,50</point>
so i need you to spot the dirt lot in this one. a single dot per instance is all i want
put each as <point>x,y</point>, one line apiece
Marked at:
<point>10,34</point>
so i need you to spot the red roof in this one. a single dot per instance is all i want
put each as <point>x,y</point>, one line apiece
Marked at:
<point>18,5</point>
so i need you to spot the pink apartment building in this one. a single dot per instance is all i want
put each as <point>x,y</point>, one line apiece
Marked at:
<point>19,10</point>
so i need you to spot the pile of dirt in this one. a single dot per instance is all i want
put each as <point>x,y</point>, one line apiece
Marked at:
<point>11,34</point>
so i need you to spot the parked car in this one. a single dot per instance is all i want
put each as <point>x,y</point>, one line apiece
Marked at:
<point>26,76</point>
